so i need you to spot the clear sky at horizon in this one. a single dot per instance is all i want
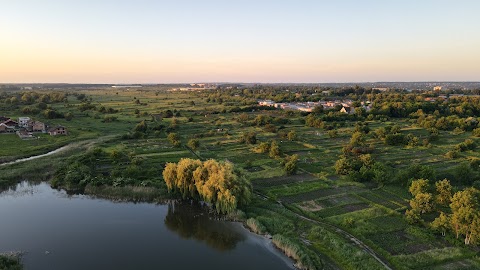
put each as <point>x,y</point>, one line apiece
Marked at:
<point>107,41</point>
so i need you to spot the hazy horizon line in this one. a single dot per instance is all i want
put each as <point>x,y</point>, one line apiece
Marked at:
<point>233,82</point>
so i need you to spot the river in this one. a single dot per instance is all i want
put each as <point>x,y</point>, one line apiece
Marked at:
<point>61,231</point>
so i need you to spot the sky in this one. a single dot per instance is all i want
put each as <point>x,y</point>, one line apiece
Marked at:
<point>281,41</point>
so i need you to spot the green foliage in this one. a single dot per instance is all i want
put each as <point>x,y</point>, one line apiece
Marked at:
<point>444,192</point>
<point>358,139</point>
<point>422,203</point>
<point>174,139</point>
<point>476,132</point>
<point>395,139</point>
<point>10,263</point>
<point>255,226</point>
<point>249,138</point>
<point>452,154</point>
<point>418,186</point>
<point>441,223</point>
<point>193,144</point>
<point>274,151</point>
<point>414,171</point>
<point>141,127</point>
<point>468,144</point>
<point>289,164</point>
<point>465,219</point>
<point>263,147</point>
<point>292,135</point>
<point>213,182</point>
<point>297,252</point>
<point>332,133</point>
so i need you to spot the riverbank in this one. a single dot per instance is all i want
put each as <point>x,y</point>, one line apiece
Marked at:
<point>266,241</point>
<point>20,160</point>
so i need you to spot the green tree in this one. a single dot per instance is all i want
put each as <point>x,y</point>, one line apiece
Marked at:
<point>332,133</point>
<point>249,138</point>
<point>292,135</point>
<point>263,147</point>
<point>274,150</point>
<point>465,214</point>
<point>418,186</point>
<point>444,192</point>
<point>68,116</point>
<point>412,216</point>
<point>441,223</point>
<point>343,166</point>
<point>193,144</point>
<point>357,139</point>
<point>290,164</point>
<point>170,175</point>
<point>173,138</point>
<point>141,127</point>
<point>422,203</point>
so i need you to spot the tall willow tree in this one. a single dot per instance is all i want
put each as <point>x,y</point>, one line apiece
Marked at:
<point>217,183</point>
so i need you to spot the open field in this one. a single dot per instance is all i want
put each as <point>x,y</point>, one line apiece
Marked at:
<point>372,212</point>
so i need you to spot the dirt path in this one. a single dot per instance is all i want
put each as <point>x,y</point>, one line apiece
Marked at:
<point>338,230</point>
<point>86,143</point>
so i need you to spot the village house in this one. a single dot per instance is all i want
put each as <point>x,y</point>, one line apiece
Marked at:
<point>23,134</point>
<point>23,121</point>
<point>7,125</point>
<point>59,130</point>
<point>10,123</point>
<point>3,128</point>
<point>347,110</point>
<point>36,126</point>
<point>269,103</point>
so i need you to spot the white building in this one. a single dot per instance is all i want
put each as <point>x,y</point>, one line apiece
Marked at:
<point>23,121</point>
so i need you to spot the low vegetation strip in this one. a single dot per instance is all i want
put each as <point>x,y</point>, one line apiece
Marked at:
<point>369,196</point>
<point>320,193</point>
<point>340,210</point>
<point>283,180</point>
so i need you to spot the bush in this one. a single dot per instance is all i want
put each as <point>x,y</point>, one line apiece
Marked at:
<point>452,154</point>
<point>476,132</point>
<point>289,164</point>
<point>395,139</point>
<point>193,144</point>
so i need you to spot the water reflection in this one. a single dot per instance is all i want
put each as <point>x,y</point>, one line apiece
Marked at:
<point>191,220</point>
<point>18,190</point>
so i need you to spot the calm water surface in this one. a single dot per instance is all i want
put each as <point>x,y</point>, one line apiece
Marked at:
<point>59,231</point>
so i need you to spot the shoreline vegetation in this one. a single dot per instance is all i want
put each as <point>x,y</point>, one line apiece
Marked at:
<point>336,168</point>
<point>11,260</point>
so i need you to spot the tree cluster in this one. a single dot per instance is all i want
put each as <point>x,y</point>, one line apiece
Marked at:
<point>459,212</point>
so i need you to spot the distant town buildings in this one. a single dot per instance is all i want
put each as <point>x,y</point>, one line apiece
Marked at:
<point>127,86</point>
<point>346,105</point>
<point>382,89</point>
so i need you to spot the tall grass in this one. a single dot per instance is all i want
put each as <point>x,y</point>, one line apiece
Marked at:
<point>298,252</point>
<point>255,226</point>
